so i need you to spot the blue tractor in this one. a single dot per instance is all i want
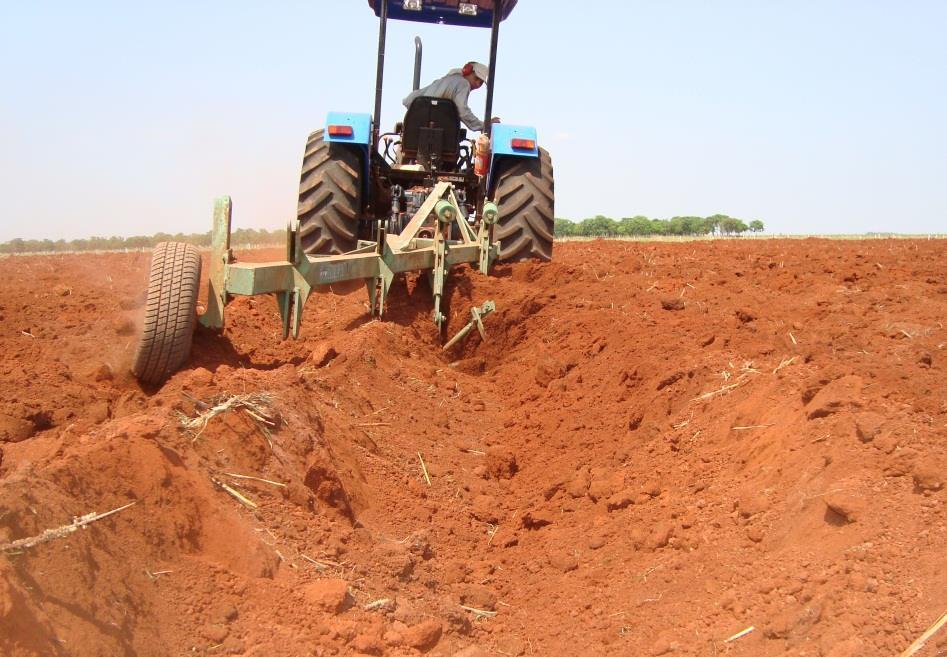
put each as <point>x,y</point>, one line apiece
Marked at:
<point>373,206</point>
<point>355,178</point>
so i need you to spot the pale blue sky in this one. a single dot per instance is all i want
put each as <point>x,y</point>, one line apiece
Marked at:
<point>815,116</point>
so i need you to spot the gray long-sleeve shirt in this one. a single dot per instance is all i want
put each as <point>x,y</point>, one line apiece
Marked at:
<point>455,87</point>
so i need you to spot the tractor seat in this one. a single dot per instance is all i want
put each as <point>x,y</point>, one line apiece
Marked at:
<point>431,132</point>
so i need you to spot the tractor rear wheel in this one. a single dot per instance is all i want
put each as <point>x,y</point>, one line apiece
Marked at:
<point>170,312</point>
<point>525,196</point>
<point>330,193</point>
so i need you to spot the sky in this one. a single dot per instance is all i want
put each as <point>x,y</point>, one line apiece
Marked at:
<point>813,116</point>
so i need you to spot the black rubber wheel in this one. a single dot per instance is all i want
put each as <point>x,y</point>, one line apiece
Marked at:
<point>330,193</point>
<point>525,196</point>
<point>170,312</point>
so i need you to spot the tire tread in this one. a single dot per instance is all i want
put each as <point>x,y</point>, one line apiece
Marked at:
<point>525,196</point>
<point>170,312</point>
<point>329,197</point>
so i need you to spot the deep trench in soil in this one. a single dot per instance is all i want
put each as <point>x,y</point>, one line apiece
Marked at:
<point>658,447</point>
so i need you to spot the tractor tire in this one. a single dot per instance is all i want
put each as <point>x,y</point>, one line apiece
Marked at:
<point>330,193</point>
<point>170,312</point>
<point>525,196</point>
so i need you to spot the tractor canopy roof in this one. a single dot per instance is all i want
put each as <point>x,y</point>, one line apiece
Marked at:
<point>472,13</point>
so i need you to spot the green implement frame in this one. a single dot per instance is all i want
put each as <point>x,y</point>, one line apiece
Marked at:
<point>374,262</point>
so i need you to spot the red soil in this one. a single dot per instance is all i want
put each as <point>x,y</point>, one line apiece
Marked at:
<point>659,446</point>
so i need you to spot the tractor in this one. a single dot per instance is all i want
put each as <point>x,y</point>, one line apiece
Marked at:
<point>351,178</point>
<point>373,205</point>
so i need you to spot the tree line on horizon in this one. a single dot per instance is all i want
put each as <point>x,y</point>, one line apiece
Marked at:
<point>597,226</point>
<point>641,226</point>
<point>238,237</point>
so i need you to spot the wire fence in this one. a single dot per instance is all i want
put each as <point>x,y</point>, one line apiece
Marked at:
<point>564,238</point>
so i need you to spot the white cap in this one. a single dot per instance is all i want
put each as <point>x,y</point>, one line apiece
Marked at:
<point>481,71</point>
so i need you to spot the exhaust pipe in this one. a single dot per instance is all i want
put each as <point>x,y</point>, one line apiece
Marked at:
<point>417,64</point>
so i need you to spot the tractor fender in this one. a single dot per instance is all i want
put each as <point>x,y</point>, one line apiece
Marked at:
<point>361,125</point>
<point>502,136</point>
<point>359,140</point>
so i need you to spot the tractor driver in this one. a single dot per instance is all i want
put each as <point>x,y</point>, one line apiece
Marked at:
<point>457,85</point>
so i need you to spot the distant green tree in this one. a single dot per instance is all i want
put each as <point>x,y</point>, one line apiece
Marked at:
<point>138,242</point>
<point>245,237</point>
<point>96,243</point>
<point>637,226</point>
<point>756,226</point>
<point>696,226</point>
<point>714,223</point>
<point>659,227</point>
<point>732,226</point>
<point>564,227</point>
<point>598,226</point>
<point>689,226</point>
